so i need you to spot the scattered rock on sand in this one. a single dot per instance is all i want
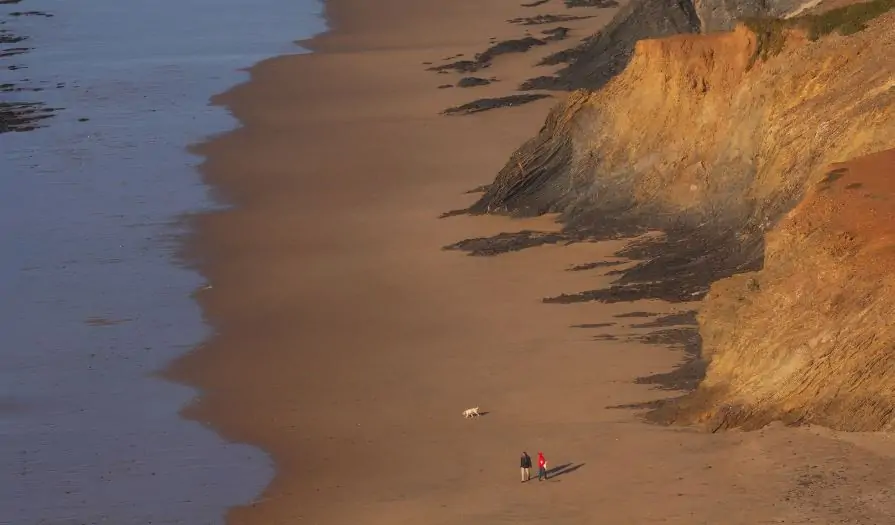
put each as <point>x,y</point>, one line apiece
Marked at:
<point>473,82</point>
<point>542,82</point>
<point>460,66</point>
<point>545,19</point>
<point>557,33</point>
<point>520,45</point>
<point>483,59</point>
<point>485,104</point>
<point>602,4</point>
<point>506,242</point>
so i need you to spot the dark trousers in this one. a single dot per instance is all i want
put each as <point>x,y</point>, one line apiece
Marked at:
<point>542,473</point>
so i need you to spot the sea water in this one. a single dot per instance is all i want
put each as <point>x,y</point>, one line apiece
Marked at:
<point>92,300</point>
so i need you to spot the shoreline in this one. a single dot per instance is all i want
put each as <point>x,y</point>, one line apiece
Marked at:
<point>339,15</point>
<point>348,342</point>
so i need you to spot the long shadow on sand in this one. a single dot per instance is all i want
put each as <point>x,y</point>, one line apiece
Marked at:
<point>679,333</point>
<point>565,468</point>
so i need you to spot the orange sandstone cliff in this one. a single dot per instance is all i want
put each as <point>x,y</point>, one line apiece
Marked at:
<point>811,337</point>
<point>725,142</point>
<point>698,126</point>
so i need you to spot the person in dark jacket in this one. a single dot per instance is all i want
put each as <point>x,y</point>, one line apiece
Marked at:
<point>525,463</point>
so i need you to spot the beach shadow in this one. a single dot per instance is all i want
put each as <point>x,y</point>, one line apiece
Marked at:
<point>680,318</point>
<point>565,468</point>
<point>678,267</point>
<point>683,378</point>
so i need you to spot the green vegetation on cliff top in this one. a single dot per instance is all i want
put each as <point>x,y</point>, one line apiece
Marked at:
<point>844,20</point>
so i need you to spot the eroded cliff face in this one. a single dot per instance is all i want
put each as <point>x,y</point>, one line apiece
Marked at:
<point>606,53</point>
<point>702,137</point>
<point>810,337</point>
<point>697,129</point>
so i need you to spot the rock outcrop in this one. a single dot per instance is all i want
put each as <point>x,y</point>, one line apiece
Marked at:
<point>722,15</point>
<point>606,53</point>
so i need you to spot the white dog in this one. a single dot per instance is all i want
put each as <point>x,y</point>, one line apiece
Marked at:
<point>471,412</point>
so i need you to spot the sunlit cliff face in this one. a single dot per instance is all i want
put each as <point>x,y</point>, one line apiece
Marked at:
<point>700,130</point>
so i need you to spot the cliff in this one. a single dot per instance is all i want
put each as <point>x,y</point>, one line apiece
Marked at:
<point>698,127</point>
<point>718,140</point>
<point>809,338</point>
<point>606,53</point>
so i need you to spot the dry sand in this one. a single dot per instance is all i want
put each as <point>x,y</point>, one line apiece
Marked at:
<point>348,343</point>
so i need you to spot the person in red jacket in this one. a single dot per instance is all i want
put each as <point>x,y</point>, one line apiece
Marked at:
<point>542,466</point>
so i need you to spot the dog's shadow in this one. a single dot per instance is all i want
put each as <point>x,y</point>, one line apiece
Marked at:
<point>484,413</point>
<point>565,468</point>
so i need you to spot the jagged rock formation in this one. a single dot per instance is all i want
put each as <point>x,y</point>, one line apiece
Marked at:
<point>714,138</point>
<point>606,53</point>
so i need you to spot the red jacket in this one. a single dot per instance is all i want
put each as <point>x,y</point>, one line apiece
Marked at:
<point>542,462</point>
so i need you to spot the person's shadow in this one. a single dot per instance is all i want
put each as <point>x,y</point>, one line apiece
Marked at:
<point>565,468</point>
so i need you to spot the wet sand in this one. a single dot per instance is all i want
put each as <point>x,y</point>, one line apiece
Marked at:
<point>348,342</point>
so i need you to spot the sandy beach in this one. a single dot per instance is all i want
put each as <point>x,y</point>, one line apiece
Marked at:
<point>348,342</point>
